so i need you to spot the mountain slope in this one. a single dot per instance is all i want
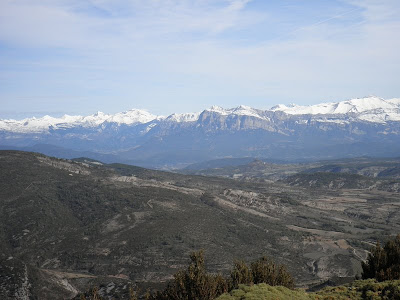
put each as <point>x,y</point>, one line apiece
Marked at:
<point>384,169</point>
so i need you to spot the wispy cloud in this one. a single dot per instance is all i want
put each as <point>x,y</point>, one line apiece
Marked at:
<point>378,10</point>
<point>181,55</point>
<point>87,23</point>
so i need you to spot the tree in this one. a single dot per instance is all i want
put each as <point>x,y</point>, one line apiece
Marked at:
<point>383,263</point>
<point>241,274</point>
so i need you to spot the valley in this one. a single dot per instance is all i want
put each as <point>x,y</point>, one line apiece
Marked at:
<point>71,224</point>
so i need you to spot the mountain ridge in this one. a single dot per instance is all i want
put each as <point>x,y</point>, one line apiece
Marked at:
<point>384,110</point>
<point>360,127</point>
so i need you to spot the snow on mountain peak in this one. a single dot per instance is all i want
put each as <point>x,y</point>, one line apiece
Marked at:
<point>244,110</point>
<point>185,117</point>
<point>371,109</point>
<point>241,110</point>
<point>395,101</point>
<point>44,123</point>
<point>98,114</point>
<point>218,109</point>
<point>131,117</point>
<point>244,107</point>
<point>279,107</point>
<point>358,105</point>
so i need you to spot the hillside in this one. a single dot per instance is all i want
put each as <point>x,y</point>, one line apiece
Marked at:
<point>384,169</point>
<point>68,225</point>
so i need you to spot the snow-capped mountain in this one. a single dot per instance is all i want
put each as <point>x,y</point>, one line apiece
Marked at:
<point>370,109</point>
<point>349,106</point>
<point>131,117</point>
<point>364,126</point>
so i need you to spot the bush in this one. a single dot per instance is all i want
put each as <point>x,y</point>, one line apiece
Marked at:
<point>194,283</point>
<point>266,271</point>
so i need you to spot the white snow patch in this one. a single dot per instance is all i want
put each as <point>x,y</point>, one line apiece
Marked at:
<point>186,117</point>
<point>132,116</point>
<point>241,110</point>
<point>218,110</point>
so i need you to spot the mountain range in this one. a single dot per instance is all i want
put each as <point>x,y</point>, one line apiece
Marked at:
<point>368,126</point>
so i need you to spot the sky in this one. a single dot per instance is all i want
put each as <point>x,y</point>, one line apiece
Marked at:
<point>82,56</point>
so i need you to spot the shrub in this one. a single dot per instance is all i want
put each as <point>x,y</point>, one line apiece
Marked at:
<point>194,283</point>
<point>266,271</point>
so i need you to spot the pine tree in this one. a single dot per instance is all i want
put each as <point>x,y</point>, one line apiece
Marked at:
<point>383,263</point>
<point>241,274</point>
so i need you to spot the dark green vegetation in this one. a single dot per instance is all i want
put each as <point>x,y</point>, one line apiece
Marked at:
<point>273,281</point>
<point>383,263</point>
<point>66,226</point>
<point>197,284</point>
<point>193,283</point>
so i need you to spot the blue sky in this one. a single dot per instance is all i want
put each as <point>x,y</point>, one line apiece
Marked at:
<point>166,56</point>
